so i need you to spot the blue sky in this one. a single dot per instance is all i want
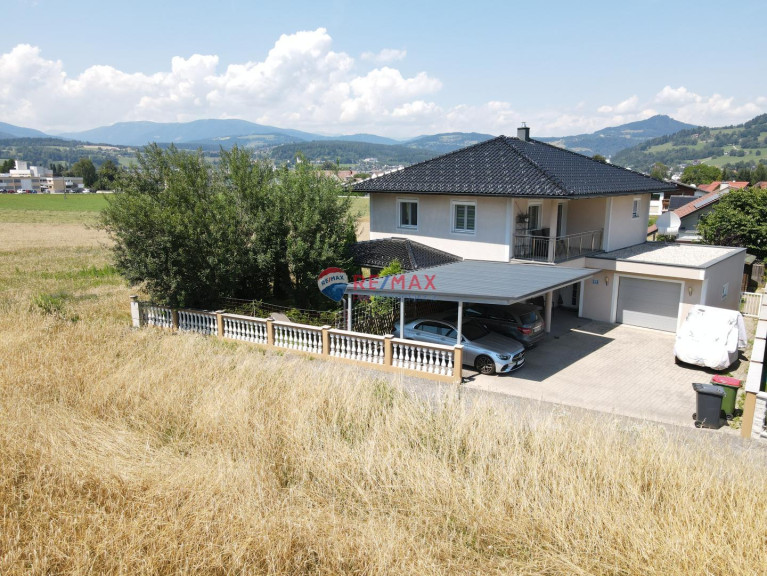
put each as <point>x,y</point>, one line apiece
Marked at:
<point>393,68</point>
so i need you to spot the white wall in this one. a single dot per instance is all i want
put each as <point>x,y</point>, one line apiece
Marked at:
<point>729,271</point>
<point>493,224</point>
<point>622,230</point>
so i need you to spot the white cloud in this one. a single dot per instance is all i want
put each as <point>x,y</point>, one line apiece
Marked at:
<point>384,56</point>
<point>301,83</point>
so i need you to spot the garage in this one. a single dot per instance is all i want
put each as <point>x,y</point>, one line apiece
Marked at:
<point>648,303</point>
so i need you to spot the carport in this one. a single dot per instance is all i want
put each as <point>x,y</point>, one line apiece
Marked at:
<point>471,281</point>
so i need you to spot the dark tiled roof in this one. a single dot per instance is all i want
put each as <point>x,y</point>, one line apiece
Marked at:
<point>678,201</point>
<point>507,166</point>
<point>412,255</point>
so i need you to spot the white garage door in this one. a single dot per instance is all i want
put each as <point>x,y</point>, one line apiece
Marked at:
<point>648,303</point>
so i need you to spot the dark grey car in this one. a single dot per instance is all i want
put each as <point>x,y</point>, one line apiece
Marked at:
<point>521,321</point>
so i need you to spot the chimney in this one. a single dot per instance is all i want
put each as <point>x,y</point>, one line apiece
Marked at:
<point>523,132</point>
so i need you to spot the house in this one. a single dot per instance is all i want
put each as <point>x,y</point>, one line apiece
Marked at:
<point>37,179</point>
<point>531,219</point>
<point>659,202</point>
<point>719,186</point>
<point>690,213</point>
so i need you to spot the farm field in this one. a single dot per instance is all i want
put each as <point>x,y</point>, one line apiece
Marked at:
<point>129,451</point>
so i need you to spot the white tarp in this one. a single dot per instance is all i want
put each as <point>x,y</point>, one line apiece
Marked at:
<point>711,337</point>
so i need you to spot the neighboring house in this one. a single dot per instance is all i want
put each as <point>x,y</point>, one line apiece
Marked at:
<point>518,201</point>
<point>659,202</point>
<point>690,214</point>
<point>719,186</point>
<point>761,185</point>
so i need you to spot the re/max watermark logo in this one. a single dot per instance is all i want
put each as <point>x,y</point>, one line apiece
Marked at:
<point>417,282</point>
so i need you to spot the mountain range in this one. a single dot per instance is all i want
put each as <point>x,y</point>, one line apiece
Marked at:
<point>612,140</point>
<point>212,134</point>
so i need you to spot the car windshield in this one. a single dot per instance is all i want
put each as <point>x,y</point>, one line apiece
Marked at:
<point>473,330</point>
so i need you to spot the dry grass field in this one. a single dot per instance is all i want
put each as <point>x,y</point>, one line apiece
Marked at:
<point>144,452</point>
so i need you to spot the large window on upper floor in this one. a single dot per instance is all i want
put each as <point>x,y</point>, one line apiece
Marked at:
<point>635,208</point>
<point>407,213</point>
<point>465,217</point>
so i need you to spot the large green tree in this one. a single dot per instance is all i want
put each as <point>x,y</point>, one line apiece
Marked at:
<point>738,219</point>
<point>85,169</point>
<point>659,171</point>
<point>7,165</point>
<point>194,234</point>
<point>701,174</point>
<point>107,174</point>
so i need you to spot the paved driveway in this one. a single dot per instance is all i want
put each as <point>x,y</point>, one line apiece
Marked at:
<point>606,367</point>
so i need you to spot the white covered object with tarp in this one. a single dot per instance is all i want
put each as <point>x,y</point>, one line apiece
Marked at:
<point>711,337</point>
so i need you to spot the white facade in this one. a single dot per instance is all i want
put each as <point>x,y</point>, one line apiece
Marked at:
<point>499,220</point>
<point>500,225</point>
<point>37,179</point>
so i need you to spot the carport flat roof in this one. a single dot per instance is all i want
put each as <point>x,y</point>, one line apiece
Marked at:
<point>474,281</point>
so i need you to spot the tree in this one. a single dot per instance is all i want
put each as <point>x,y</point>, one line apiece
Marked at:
<point>194,234</point>
<point>7,166</point>
<point>659,171</point>
<point>107,174</point>
<point>85,169</point>
<point>600,158</point>
<point>759,174</point>
<point>739,219</point>
<point>701,174</point>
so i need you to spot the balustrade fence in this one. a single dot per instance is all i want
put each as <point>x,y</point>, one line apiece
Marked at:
<point>427,360</point>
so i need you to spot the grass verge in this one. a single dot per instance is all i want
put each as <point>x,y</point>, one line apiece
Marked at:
<point>145,452</point>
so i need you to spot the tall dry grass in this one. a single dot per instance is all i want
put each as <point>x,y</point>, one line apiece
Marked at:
<point>145,452</point>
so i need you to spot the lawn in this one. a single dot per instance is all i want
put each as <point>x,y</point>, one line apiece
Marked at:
<point>51,208</point>
<point>129,451</point>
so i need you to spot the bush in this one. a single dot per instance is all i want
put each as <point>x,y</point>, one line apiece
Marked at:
<point>193,234</point>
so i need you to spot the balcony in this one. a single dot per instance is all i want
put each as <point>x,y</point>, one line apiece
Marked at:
<point>540,249</point>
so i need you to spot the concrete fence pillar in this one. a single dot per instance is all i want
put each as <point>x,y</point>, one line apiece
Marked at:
<point>270,331</point>
<point>220,323</point>
<point>326,340</point>
<point>135,311</point>
<point>174,318</point>
<point>458,364</point>
<point>388,349</point>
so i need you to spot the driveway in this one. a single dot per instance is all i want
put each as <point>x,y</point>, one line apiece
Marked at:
<point>610,368</point>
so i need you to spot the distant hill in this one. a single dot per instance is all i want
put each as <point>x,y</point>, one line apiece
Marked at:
<point>208,133</point>
<point>48,150</point>
<point>11,131</point>
<point>611,140</point>
<point>142,133</point>
<point>447,142</point>
<point>730,145</point>
<point>349,152</point>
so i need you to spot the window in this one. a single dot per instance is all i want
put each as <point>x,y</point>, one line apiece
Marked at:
<point>635,208</point>
<point>725,290</point>
<point>464,217</point>
<point>408,213</point>
<point>534,216</point>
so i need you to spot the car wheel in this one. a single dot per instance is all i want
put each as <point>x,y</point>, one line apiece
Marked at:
<point>484,365</point>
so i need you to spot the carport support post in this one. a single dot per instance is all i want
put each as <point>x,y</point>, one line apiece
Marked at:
<point>402,317</point>
<point>459,323</point>
<point>547,311</point>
